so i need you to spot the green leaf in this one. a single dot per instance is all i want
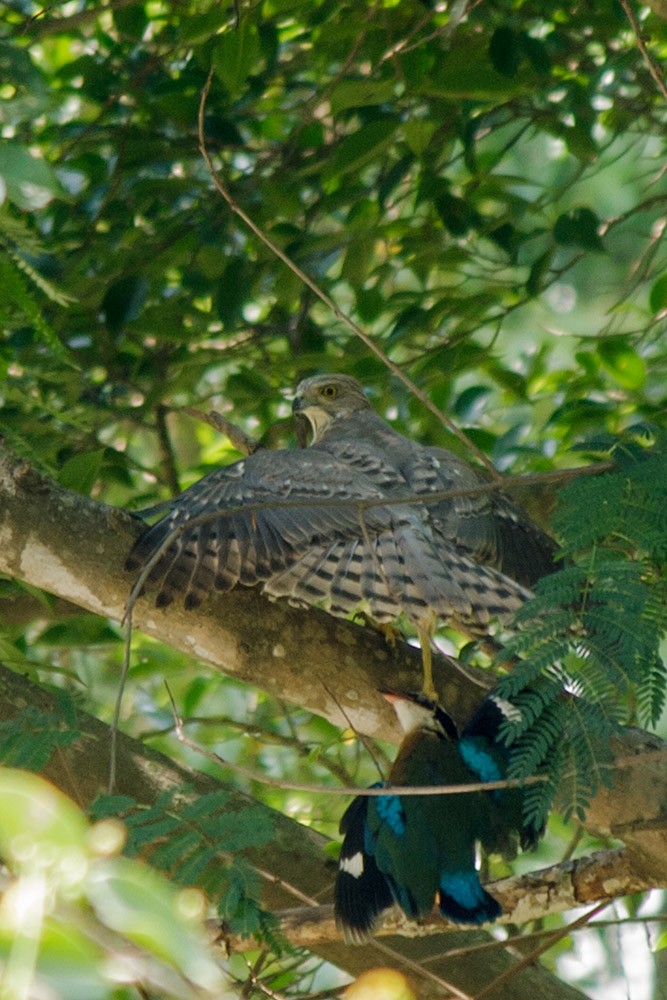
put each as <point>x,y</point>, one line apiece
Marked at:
<point>131,21</point>
<point>234,288</point>
<point>14,288</point>
<point>418,133</point>
<point>80,472</point>
<point>505,51</point>
<point>29,740</point>
<point>470,402</point>
<point>30,182</point>
<point>658,295</point>
<point>466,72</point>
<point>358,93</point>
<point>122,302</point>
<point>202,27</point>
<point>470,83</point>
<point>17,66</point>
<point>622,362</point>
<point>363,146</point>
<point>578,228</point>
<point>137,903</point>
<point>236,55</point>
<point>538,272</point>
<point>457,216</point>
<point>40,827</point>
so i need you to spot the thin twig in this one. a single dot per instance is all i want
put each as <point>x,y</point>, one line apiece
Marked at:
<point>113,743</point>
<point>363,739</point>
<point>168,460</point>
<point>651,64</point>
<point>238,437</point>
<point>312,788</point>
<point>534,955</point>
<point>38,28</point>
<point>426,499</point>
<point>359,505</point>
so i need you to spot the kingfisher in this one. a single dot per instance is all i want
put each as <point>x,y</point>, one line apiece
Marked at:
<point>409,849</point>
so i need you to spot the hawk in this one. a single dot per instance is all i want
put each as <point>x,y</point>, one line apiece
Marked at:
<point>350,521</point>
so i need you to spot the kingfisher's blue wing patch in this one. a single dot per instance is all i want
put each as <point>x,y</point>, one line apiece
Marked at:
<point>463,898</point>
<point>389,809</point>
<point>479,759</point>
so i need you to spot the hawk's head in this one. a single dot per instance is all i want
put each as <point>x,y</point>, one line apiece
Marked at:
<point>322,399</point>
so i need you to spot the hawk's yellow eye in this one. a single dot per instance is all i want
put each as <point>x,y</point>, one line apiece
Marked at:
<point>329,391</point>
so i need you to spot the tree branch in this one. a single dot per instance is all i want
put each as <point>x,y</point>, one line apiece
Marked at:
<point>605,875</point>
<point>75,548</point>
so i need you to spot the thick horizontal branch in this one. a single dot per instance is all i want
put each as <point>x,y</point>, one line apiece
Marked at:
<point>75,548</point>
<point>605,875</point>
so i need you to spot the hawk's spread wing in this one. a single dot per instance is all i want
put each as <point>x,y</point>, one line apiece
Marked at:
<point>250,520</point>
<point>288,519</point>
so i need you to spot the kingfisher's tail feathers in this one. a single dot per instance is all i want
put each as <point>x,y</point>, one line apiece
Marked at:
<point>362,892</point>
<point>360,899</point>
<point>464,899</point>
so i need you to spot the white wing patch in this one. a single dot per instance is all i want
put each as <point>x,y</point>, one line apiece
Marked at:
<point>509,710</point>
<point>353,865</point>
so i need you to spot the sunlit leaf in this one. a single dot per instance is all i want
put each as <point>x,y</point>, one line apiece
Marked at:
<point>40,826</point>
<point>31,182</point>
<point>133,901</point>
<point>622,362</point>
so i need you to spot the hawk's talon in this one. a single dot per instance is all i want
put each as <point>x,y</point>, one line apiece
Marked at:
<point>392,635</point>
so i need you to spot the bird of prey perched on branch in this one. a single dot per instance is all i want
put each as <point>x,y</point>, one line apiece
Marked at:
<point>355,519</point>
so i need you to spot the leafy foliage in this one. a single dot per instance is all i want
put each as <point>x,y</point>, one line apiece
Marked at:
<point>595,626</point>
<point>31,737</point>
<point>106,907</point>
<point>196,842</point>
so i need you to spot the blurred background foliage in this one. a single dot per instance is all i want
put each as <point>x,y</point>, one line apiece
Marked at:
<point>479,186</point>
